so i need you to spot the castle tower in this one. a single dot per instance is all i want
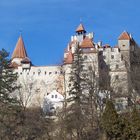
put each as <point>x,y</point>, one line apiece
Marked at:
<point>19,52</point>
<point>124,43</point>
<point>81,32</point>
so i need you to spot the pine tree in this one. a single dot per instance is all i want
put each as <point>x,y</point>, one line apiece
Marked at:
<point>110,122</point>
<point>9,106</point>
<point>7,79</point>
<point>135,124</point>
<point>82,113</point>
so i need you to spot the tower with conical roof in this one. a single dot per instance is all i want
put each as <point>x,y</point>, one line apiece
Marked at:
<point>19,52</point>
<point>80,32</point>
<point>124,43</point>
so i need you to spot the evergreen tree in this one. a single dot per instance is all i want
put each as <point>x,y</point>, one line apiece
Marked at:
<point>110,122</point>
<point>9,106</point>
<point>7,79</point>
<point>135,124</point>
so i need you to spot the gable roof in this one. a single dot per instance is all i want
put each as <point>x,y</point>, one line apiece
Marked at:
<point>87,43</point>
<point>19,51</point>
<point>124,36</point>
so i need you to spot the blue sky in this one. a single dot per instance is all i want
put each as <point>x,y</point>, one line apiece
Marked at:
<point>47,25</point>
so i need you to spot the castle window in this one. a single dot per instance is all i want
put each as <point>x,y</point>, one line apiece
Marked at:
<point>69,84</point>
<point>85,57</point>
<point>116,77</point>
<point>52,96</point>
<point>55,96</point>
<point>45,72</point>
<point>38,73</point>
<point>112,56</point>
<point>50,73</point>
<point>112,49</point>
<point>104,57</point>
<point>121,57</point>
<point>55,72</point>
<point>90,68</point>
<point>117,66</point>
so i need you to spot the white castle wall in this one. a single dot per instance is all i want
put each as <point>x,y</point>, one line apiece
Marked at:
<point>36,82</point>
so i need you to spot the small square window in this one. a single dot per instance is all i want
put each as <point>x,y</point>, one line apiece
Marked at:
<point>55,72</point>
<point>52,96</point>
<point>112,56</point>
<point>117,77</point>
<point>121,57</point>
<point>50,73</point>
<point>85,57</point>
<point>55,96</point>
<point>21,73</point>
<point>117,66</point>
<point>69,84</point>
<point>104,57</point>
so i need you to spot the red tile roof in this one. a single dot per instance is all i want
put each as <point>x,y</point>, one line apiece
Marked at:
<point>14,65</point>
<point>20,51</point>
<point>124,36</point>
<point>87,43</point>
<point>80,28</point>
<point>69,58</point>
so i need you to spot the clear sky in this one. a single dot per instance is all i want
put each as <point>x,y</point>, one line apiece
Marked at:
<point>47,25</point>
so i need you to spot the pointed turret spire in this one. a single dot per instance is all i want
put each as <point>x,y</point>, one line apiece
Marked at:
<point>124,36</point>
<point>80,29</point>
<point>19,51</point>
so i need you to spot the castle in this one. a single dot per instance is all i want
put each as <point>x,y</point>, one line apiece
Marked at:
<point>40,82</point>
